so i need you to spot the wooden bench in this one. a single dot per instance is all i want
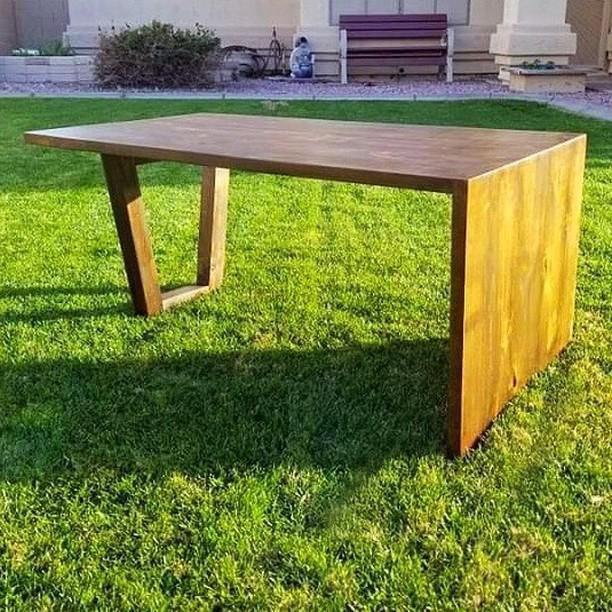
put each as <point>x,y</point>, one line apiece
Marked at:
<point>376,45</point>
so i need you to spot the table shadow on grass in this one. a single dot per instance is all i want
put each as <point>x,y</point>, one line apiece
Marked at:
<point>61,303</point>
<point>203,414</point>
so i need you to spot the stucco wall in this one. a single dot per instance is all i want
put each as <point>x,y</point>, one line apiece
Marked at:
<point>586,17</point>
<point>40,21</point>
<point>247,22</point>
<point>250,22</point>
<point>8,39</point>
<point>486,12</point>
<point>219,13</point>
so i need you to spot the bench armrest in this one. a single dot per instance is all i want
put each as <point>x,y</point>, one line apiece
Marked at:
<point>450,55</point>
<point>450,41</point>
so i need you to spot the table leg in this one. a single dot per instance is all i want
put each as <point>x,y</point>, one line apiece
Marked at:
<point>213,224</point>
<point>513,276</point>
<point>211,244</point>
<point>128,209</point>
<point>134,237</point>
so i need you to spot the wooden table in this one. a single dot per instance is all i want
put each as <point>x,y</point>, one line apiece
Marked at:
<point>515,223</point>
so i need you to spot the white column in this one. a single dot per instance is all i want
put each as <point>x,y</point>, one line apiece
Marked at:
<point>533,30</point>
<point>323,37</point>
<point>472,40</point>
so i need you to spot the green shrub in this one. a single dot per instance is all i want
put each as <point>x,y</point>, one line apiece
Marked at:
<point>53,48</point>
<point>157,55</point>
<point>56,48</point>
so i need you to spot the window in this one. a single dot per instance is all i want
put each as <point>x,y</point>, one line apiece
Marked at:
<point>457,10</point>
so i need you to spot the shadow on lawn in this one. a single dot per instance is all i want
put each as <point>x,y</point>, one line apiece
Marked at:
<point>210,413</point>
<point>64,303</point>
<point>54,291</point>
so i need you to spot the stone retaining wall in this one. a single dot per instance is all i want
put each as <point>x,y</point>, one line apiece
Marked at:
<point>70,69</point>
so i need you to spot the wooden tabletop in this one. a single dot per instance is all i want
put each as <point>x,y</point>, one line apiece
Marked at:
<point>433,158</point>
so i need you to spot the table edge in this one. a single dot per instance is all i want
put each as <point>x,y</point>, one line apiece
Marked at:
<point>52,138</point>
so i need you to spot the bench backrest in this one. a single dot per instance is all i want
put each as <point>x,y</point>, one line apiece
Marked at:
<point>394,26</point>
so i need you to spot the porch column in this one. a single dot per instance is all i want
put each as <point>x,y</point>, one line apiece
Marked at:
<point>473,39</point>
<point>533,30</point>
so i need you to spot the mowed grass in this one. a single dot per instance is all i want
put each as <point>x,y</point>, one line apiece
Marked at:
<point>281,443</point>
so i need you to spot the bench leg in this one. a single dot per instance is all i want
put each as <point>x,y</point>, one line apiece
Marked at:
<point>514,258</point>
<point>450,55</point>
<point>343,57</point>
<point>134,237</point>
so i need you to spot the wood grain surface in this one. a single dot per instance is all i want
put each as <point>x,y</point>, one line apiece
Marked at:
<point>515,249</point>
<point>213,226</point>
<point>133,232</point>
<point>421,157</point>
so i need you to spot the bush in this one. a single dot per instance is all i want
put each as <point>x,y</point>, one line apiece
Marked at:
<point>56,48</point>
<point>53,48</point>
<point>157,55</point>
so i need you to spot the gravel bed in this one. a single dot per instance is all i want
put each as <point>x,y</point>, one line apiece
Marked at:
<point>263,88</point>
<point>597,104</point>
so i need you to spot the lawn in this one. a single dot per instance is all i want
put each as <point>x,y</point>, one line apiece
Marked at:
<point>281,444</point>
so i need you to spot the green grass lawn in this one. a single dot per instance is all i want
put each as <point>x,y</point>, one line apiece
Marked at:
<point>281,444</point>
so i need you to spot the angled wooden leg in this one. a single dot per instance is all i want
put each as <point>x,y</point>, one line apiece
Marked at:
<point>128,210</point>
<point>513,275</point>
<point>213,224</point>
<point>211,244</point>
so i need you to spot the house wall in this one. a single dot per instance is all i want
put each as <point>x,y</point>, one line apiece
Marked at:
<point>250,22</point>
<point>31,23</point>
<point>40,21</point>
<point>8,31</point>
<point>592,22</point>
<point>186,12</point>
<point>247,22</point>
<point>473,40</point>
